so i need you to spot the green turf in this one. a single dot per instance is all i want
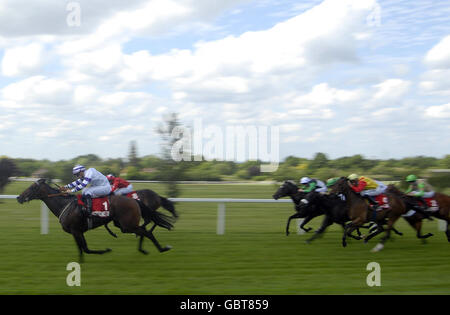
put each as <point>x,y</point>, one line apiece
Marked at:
<point>253,257</point>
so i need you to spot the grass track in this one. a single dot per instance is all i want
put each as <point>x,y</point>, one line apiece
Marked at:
<point>253,257</point>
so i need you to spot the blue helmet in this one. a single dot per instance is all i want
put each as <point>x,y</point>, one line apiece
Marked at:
<point>77,169</point>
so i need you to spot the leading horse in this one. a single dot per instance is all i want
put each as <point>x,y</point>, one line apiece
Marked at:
<point>125,211</point>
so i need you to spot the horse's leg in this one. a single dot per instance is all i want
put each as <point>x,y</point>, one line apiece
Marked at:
<point>446,219</point>
<point>141,240</point>
<point>326,223</point>
<point>306,220</point>
<point>418,227</point>
<point>110,232</point>
<point>346,230</point>
<point>82,246</point>
<point>389,227</point>
<point>152,228</point>
<point>142,232</point>
<point>294,216</point>
<point>373,234</point>
<point>81,241</point>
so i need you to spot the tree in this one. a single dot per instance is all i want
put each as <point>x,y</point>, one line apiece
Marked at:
<point>170,170</point>
<point>320,160</point>
<point>133,159</point>
<point>7,169</point>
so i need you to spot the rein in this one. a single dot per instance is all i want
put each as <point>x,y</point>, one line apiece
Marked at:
<point>58,194</point>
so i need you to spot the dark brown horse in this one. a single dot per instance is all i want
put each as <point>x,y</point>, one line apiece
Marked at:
<point>151,202</point>
<point>414,219</point>
<point>125,211</point>
<point>359,211</point>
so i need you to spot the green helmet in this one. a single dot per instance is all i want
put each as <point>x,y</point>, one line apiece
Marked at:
<point>411,178</point>
<point>352,176</point>
<point>332,181</point>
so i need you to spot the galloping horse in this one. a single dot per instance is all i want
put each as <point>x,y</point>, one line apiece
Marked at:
<point>443,202</point>
<point>334,208</point>
<point>125,211</point>
<point>360,213</point>
<point>288,188</point>
<point>152,202</point>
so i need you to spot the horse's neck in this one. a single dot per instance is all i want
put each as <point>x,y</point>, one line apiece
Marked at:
<point>56,204</point>
<point>296,197</point>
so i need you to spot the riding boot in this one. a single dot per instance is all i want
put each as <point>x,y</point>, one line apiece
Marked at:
<point>88,203</point>
<point>421,207</point>
<point>372,201</point>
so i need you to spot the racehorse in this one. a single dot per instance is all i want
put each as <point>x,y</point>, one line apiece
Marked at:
<point>443,202</point>
<point>359,211</point>
<point>415,219</point>
<point>125,211</point>
<point>152,202</point>
<point>289,188</point>
<point>334,208</point>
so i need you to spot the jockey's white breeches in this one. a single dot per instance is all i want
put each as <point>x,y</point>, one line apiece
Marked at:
<point>124,191</point>
<point>97,191</point>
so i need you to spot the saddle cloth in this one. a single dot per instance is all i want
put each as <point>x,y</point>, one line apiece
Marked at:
<point>382,201</point>
<point>100,206</point>
<point>133,195</point>
<point>432,204</point>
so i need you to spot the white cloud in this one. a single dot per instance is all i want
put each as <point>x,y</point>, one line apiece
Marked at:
<point>22,60</point>
<point>439,55</point>
<point>37,89</point>
<point>438,111</point>
<point>392,89</point>
<point>322,94</point>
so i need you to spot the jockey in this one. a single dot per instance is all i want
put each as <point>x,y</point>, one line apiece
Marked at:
<point>367,187</point>
<point>99,185</point>
<point>310,184</point>
<point>119,186</point>
<point>419,188</point>
<point>332,181</point>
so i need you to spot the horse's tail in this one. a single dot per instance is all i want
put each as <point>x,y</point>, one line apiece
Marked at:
<point>169,206</point>
<point>156,217</point>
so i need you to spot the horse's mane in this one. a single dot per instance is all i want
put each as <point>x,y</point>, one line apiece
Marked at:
<point>394,190</point>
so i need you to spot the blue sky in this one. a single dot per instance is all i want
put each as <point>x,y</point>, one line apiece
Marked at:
<point>341,77</point>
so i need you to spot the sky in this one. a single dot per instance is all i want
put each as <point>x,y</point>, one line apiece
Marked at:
<point>341,77</point>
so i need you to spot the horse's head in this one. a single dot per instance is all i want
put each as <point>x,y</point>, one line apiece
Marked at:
<point>340,187</point>
<point>288,188</point>
<point>38,190</point>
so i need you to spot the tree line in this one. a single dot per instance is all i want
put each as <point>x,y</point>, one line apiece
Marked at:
<point>152,167</point>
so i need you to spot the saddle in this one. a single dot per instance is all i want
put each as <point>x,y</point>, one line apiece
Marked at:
<point>100,206</point>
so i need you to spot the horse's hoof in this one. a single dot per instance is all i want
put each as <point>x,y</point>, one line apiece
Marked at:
<point>165,249</point>
<point>377,248</point>
<point>108,250</point>
<point>143,251</point>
